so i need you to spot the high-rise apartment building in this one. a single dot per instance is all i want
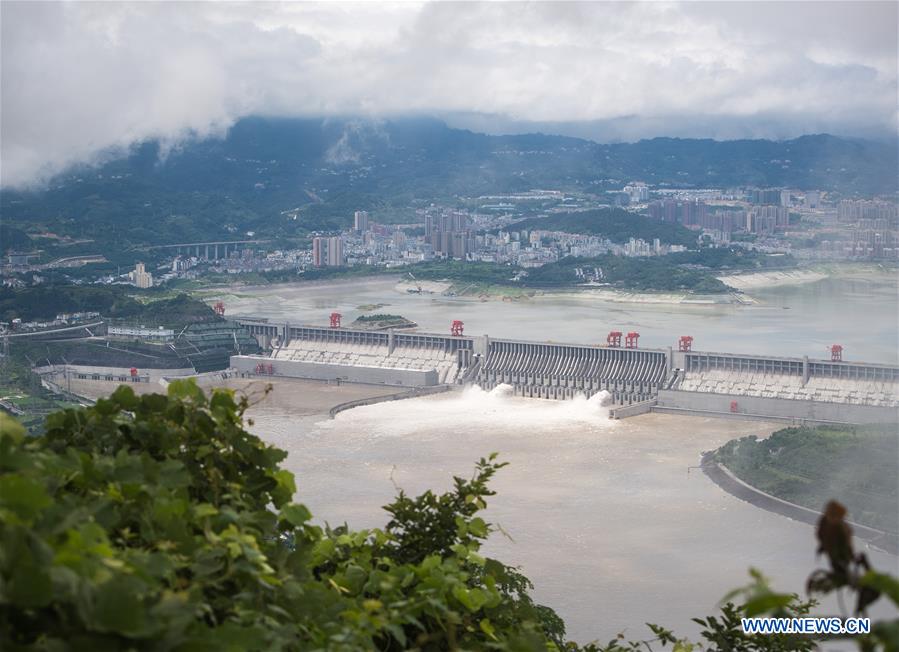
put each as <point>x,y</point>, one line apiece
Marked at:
<point>141,277</point>
<point>361,221</point>
<point>327,252</point>
<point>449,234</point>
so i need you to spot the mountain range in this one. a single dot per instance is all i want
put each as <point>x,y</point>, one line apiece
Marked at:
<point>286,178</point>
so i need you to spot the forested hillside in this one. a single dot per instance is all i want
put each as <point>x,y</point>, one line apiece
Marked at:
<point>810,465</point>
<point>616,224</point>
<point>283,179</point>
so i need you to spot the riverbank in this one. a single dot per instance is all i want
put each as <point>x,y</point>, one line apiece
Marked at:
<point>727,481</point>
<point>756,280</point>
<point>487,292</point>
<point>668,298</point>
<point>469,292</point>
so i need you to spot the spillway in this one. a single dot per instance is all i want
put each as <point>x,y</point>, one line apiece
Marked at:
<point>637,380</point>
<point>561,371</point>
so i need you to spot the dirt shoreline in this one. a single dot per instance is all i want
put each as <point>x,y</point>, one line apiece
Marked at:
<point>759,280</point>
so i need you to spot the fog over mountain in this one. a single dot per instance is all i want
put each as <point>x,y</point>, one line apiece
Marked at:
<point>83,82</point>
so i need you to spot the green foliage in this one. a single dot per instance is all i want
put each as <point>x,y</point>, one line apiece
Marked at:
<point>158,522</point>
<point>465,272</point>
<point>731,258</point>
<point>808,466</point>
<point>45,302</point>
<point>640,274</point>
<point>13,239</point>
<point>615,224</point>
<point>379,317</point>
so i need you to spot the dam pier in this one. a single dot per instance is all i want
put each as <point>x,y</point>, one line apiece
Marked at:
<point>638,380</point>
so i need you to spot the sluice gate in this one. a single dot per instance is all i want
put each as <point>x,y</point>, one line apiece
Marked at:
<point>560,371</point>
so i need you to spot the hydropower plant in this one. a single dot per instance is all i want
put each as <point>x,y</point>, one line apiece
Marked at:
<point>638,380</point>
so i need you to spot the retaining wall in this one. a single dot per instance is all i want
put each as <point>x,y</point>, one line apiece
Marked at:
<point>123,374</point>
<point>372,400</point>
<point>348,373</point>
<point>778,408</point>
<point>632,410</point>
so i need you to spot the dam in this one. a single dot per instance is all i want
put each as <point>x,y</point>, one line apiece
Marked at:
<point>638,380</point>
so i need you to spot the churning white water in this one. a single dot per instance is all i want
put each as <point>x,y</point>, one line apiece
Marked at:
<point>477,408</point>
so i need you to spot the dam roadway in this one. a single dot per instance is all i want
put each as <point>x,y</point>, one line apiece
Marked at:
<point>637,379</point>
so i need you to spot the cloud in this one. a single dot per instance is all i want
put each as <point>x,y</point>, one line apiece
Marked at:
<point>84,81</point>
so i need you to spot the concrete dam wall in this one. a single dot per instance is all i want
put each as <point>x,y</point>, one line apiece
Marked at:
<point>795,389</point>
<point>562,371</point>
<point>358,356</point>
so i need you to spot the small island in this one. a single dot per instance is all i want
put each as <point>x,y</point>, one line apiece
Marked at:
<point>382,322</point>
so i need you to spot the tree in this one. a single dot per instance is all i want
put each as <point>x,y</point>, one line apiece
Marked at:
<point>158,522</point>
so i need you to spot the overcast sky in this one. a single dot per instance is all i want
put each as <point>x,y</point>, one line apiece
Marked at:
<point>81,80</point>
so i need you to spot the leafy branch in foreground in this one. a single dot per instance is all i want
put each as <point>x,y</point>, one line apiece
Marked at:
<point>159,523</point>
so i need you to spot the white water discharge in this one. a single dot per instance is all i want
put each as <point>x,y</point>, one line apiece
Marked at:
<point>479,409</point>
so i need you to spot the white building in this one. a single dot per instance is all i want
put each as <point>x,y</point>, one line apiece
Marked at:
<point>142,333</point>
<point>141,277</point>
<point>637,191</point>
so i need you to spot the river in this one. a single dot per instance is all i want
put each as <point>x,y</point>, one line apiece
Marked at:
<point>607,518</point>
<point>861,313</point>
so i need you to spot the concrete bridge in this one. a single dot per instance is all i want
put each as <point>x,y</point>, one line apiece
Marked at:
<point>212,250</point>
<point>638,380</point>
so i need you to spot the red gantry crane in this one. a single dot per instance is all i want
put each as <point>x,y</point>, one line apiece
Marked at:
<point>836,352</point>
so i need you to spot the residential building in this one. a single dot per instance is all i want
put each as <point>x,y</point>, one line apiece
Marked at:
<point>141,277</point>
<point>327,252</point>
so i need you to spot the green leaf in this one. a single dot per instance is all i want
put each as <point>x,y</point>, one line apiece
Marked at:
<point>11,428</point>
<point>354,578</point>
<point>886,584</point>
<point>24,496</point>
<point>487,628</point>
<point>30,584</point>
<point>117,608</point>
<point>125,397</point>
<point>286,488</point>
<point>296,514</point>
<point>186,389</point>
<point>478,527</point>
<point>766,602</point>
